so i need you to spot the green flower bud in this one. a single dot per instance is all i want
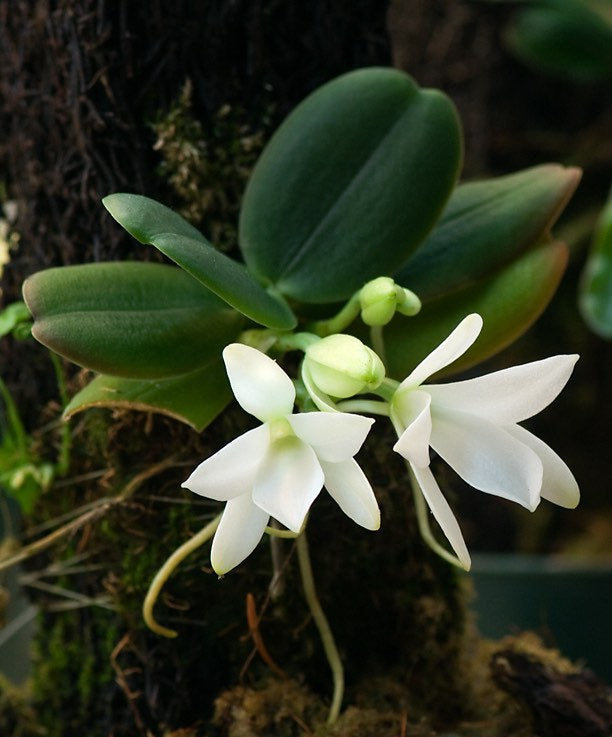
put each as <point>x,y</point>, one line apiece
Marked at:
<point>380,298</point>
<point>407,303</point>
<point>342,366</point>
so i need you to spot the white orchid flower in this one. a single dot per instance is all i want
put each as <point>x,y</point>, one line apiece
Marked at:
<point>472,425</point>
<point>278,469</point>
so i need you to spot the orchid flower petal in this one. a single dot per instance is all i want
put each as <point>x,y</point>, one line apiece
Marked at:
<point>510,395</point>
<point>487,457</point>
<point>443,513</point>
<point>289,479</point>
<point>448,351</point>
<point>558,483</point>
<point>351,490</point>
<point>411,410</point>
<point>231,471</point>
<point>334,436</point>
<point>260,385</point>
<point>240,529</point>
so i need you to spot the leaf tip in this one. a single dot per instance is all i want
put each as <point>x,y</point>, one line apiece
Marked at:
<point>29,292</point>
<point>115,204</point>
<point>110,201</point>
<point>567,179</point>
<point>127,210</point>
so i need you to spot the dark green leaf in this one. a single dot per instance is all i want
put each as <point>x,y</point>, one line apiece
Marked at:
<point>349,185</point>
<point>137,320</point>
<point>151,222</point>
<point>509,302</point>
<point>596,286</point>
<point>485,226</point>
<point>568,38</point>
<point>195,398</point>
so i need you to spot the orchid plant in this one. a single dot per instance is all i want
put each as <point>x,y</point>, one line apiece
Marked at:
<point>362,254</point>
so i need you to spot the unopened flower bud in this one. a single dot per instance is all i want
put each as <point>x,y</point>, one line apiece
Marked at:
<point>381,297</point>
<point>342,366</point>
<point>407,303</point>
<point>378,300</point>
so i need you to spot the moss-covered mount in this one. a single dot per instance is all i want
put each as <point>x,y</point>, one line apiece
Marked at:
<point>98,669</point>
<point>413,663</point>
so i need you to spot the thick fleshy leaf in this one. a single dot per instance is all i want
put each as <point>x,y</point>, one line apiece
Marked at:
<point>569,38</point>
<point>487,457</point>
<point>260,385</point>
<point>558,483</point>
<point>151,222</point>
<point>195,398</point>
<point>510,395</point>
<point>289,480</point>
<point>451,348</point>
<point>231,471</point>
<point>334,436</point>
<point>485,226</point>
<point>241,527</point>
<point>509,302</point>
<point>443,513</point>
<point>136,320</point>
<point>596,284</point>
<point>349,185</point>
<point>410,410</point>
<point>351,490</point>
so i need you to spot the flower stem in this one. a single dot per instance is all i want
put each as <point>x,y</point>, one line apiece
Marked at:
<point>387,389</point>
<point>295,341</point>
<point>325,633</point>
<point>274,532</point>
<point>284,341</point>
<point>340,321</point>
<point>165,572</point>
<point>378,341</point>
<point>366,406</point>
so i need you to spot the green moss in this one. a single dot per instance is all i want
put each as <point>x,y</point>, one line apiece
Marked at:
<point>17,718</point>
<point>73,679</point>
<point>208,167</point>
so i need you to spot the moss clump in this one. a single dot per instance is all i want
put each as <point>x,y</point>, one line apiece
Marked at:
<point>356,722</point>
<point>208,169</point>
<point>73,679</point>
<point>17,718</point>
<point>280,708</point>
